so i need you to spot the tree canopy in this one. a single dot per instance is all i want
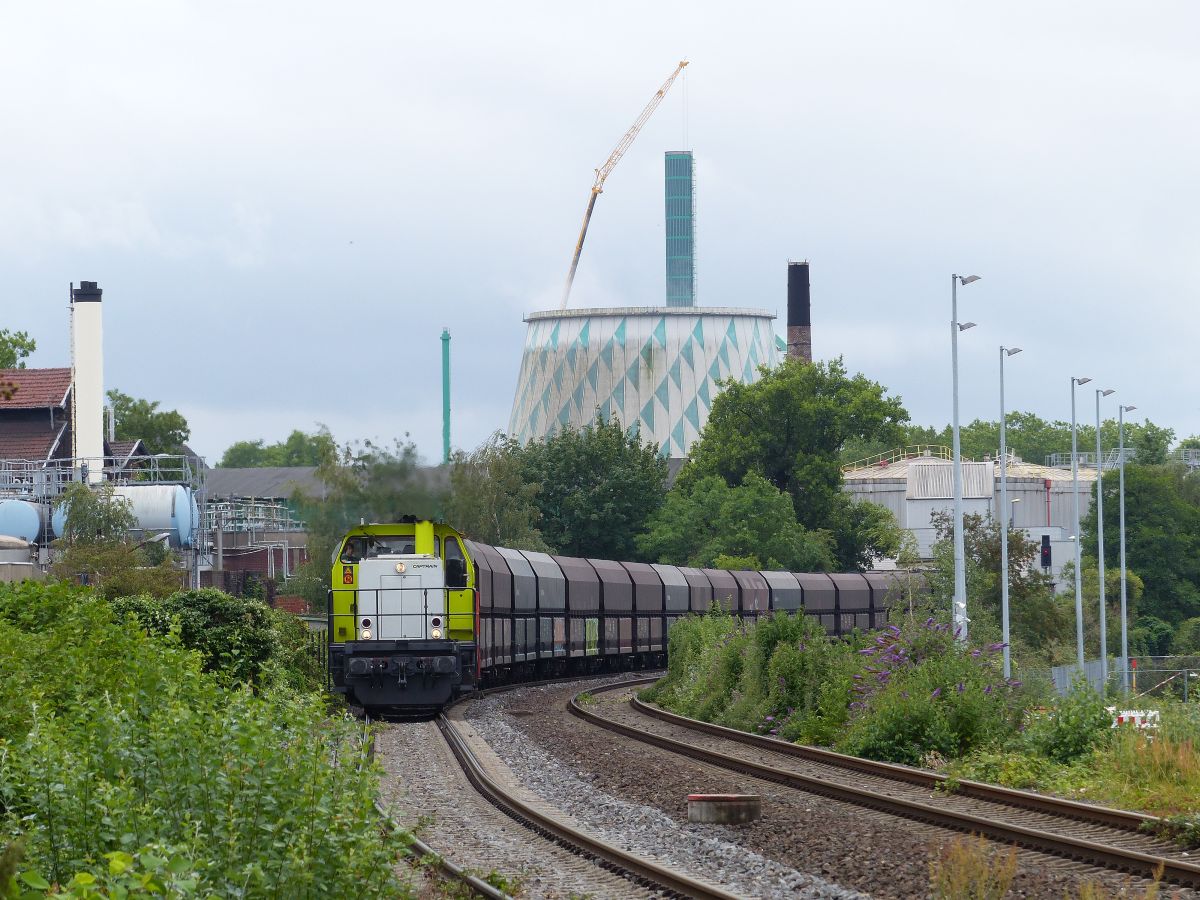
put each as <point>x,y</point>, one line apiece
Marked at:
<point>750,526</point>
<point>163,431</point>
<point>791,427</point>
<point>489,500</point>
<point>297,449</point>
<point>599,485</point>
<point>15,347</point>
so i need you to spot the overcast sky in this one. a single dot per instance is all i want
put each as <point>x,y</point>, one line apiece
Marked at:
<point>285,202</point>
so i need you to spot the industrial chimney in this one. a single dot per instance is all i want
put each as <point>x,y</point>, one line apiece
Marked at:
<point>799,322</point>
<point>87,381</point>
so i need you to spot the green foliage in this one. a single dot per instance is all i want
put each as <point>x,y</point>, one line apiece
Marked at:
<point>369,482</point>
<point>94,515</point>
<point>599,488</point>
<point>1079,723</point>
<point>1162,536</point>
<point>490,501</point>
<point>1187,638</point>
<point>1039,624</point>
<point>131,771</point>
<point>751,526</point>
<point>791,427</point>
<point>1150,636</point>
<point>297,449</point>
<point>119,569</point>
<point>15,347</point>
<point>159,432</point>
<point>240,639</point>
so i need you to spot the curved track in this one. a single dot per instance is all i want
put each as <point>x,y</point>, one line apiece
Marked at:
<point>1097,836</point>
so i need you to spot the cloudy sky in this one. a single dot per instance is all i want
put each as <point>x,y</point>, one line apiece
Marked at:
<point>285,202</point>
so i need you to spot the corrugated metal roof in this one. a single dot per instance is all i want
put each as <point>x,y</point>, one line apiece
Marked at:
<point>36,388</point>
<point>263,482</point>
<point>934,480</point>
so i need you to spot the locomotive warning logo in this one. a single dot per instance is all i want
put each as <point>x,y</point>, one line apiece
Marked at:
<point>347,574</point>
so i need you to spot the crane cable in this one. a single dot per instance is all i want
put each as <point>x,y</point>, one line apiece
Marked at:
<point>605,170</point>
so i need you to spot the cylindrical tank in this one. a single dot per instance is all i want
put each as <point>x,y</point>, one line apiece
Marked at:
<point>158,508</point>
<point>21,519</point>
<point>14,550</point>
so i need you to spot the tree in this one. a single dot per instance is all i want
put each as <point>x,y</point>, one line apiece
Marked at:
<point>369,482</point>
<point>1152,444</point>
<point>791,427</point>
<point>751,526</point>
<point>1037,620</point>
<point>159,432</point>
<point>599,485</point>
<point>490,501</point>
<point>98,549</point>
<point>298,449</point>
<point>1162,536</point>
<point>15,347</point>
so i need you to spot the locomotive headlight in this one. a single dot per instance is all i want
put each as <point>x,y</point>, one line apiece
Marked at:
<point>366,634</point>
<point>435,633</point>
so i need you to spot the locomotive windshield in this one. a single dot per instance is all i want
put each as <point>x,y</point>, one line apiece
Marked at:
<point>379,545</point>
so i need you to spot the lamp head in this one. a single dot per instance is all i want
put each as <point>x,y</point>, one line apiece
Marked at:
<point>1081,380</point>
<point>1106,392</point>
<point>967,279</point>
<point>1128,408</point>
<point>1011,351</point>
<point>963,326</point>
<point>1015,500</point>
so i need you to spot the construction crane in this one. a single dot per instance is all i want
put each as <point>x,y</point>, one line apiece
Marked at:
<point>611,163</point>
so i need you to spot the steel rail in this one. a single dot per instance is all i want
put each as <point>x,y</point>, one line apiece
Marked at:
<point>636,868</point>
<point>1091,852</point>
<point>1084,812</point>
<point>478,885</point>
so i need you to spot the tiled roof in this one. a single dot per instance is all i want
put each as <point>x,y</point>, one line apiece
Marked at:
<point>33,441</point>
<point>36,388</point>
<point>122,450</point>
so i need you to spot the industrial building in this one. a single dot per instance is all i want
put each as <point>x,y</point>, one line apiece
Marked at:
<point>655,368</point>
<point>55,430</point>
<point>680,228</point>
<point>915,482</point>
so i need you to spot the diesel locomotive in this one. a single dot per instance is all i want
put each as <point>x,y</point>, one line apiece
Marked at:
<point>419,615</point>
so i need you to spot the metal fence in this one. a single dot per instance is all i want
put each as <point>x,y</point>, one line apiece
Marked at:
<point>1149,676</point>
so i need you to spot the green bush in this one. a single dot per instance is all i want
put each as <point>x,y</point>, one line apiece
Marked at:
<point>124,763</point>
<point>239,638</point>
<point>1078,723</point>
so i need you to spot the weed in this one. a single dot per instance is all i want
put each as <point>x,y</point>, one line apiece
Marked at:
<point>970,869</point>
<point>1094,890</point>
<point>585,699</point>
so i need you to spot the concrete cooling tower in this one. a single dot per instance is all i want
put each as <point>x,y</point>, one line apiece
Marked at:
<point>654,368</point>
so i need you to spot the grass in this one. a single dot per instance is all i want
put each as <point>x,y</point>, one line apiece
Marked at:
<point>972,869</point>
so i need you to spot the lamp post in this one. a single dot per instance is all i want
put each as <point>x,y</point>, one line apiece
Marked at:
<point>1100,543</point>
<point>1075,495</point>
<point>1121,410</point>
<point>1006,512</point>
<point>959,608</point>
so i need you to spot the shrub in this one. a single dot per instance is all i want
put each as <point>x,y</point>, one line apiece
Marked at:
<point>1074,727</point>
<point>130,762</point>
<point>971,869</point>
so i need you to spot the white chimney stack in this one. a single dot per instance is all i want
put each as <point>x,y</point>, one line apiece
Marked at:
<point>87,380</point>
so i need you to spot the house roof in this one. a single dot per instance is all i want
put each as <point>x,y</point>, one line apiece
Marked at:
<point>262,482</point>
<point>36,388</point>
<point>34,441</point>
<point>123,450</point>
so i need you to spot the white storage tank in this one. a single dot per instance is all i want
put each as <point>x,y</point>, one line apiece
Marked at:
<point>14,550</point>
<point>22,519</point>
<point>158,508</point>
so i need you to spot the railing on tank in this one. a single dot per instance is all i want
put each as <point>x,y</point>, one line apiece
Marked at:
<point>46,479</point>
<point>914,451</point>
<point>1112,458</point>
<point>367,603</point>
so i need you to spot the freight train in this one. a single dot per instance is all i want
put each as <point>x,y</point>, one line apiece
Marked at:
<point>419,615</point>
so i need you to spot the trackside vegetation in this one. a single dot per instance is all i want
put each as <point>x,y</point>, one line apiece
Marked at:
<point>912,694</point>
<point>138,759</point>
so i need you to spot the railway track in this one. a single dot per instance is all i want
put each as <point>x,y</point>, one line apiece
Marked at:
<point>644,877</point>
<point>1095,836</point>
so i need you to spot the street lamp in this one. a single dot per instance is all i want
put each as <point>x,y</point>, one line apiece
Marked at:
<point>1006,512</point>
<point>1121,410</point>
<point>1075,495</point>
<point>959,607</point>
<point>1100,543</point>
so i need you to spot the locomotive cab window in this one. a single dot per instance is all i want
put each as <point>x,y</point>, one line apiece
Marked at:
<point>384,544</point>
<point>456,564</point>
